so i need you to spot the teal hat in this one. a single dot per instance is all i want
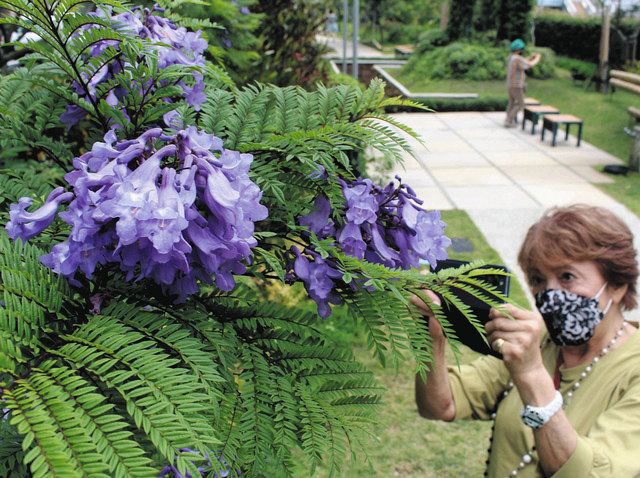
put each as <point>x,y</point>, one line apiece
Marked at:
<point>517,44</point>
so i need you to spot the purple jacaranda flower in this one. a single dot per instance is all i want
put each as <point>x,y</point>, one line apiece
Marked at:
<point>350,239</point>
<point>219,467</point>
<point>319,221</point>
<point>318,278</point>
<point>429,241</point>
<point>320,173</point>
<point>173,119</point>
<point>386,225</point>
<point>175,209</point>
<point>163,221</point>
<point>173,46</point>
<point>72,115</point>
<point>361,204</point>
<point>24,225</point>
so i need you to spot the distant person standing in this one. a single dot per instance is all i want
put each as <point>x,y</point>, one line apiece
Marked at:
<point>332,23</point>
<point>516,67</point>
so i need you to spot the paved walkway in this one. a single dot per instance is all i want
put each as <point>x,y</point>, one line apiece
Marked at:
<point>503,178</point>
<point>335,44</point>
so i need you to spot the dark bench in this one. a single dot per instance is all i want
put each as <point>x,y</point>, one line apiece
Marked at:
<point>554,121</point>
<point>634,113</point>
<point>403,51</point>
<point>534,112</point>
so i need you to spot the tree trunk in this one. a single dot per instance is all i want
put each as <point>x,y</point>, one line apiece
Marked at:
<point>603,61</point>
<point>444,15</point>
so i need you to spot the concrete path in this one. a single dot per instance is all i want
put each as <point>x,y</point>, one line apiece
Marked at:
<point>335,44</point>
<point>503,178</point>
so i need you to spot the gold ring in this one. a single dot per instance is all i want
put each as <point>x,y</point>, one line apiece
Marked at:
<point>497,345</point>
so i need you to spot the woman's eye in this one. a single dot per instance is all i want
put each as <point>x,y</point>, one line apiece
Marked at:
<point>536,280</point>
<point>566,276</point>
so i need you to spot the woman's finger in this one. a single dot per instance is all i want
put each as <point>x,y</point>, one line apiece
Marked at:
<point>421,305</point>
<point>502,324</point>
<point>509,310</point>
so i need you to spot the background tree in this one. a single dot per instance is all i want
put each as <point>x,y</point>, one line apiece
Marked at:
<point>289,53</point>
<point>514,19</point>
<point>460,19</point>
<point>485,16</point>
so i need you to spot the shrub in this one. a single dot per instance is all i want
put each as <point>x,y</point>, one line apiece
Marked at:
<point>582,67</point>
<point>431,39</point>
<point>459,61</point>
<point>547,65</point>
<point>397,33</point>
<point>482,103</point>
<point>579,37</point>
<point>464,61</point>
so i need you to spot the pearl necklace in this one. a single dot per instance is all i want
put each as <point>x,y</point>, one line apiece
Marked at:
<point>527,458</point>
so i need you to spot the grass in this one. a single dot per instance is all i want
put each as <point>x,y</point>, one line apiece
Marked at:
<point>604,117</point>
<point>406,445</point>
<point>626,189</point>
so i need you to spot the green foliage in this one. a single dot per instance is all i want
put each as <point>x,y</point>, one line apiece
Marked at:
<point>485,16</point>
<point>108,388</point>
<point>461,19</point>
<point>432,39</point>
<point>514,19</point>
<point>458,61</point>
<point>580,66</point>
<point>228,27</point>
<point>29,121</point>
<point>580,37</point>
<point>289,53</point>
<point>482,103</point>
<point>108,379</point>
<point>546,66</point>
<point>465,61</point>
<point>397,21</point>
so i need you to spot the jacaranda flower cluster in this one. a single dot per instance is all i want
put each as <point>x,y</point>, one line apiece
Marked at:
<point>172,208</point>
<point>173,46</point>
<point>381,225</point>
<point>171,471</point>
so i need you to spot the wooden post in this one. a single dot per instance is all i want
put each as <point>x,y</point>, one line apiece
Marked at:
<point>603,63</point>
<point>634,158</point>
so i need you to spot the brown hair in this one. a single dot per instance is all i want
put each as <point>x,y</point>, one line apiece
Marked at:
<point>583,233</point>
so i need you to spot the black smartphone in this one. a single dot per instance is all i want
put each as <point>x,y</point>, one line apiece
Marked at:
<point>465,331</point>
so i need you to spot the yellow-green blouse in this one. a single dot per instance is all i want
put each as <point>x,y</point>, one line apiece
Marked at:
<point>604,411</point>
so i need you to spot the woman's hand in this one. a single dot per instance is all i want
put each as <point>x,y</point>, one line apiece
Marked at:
<point>435,329</point>
<point>521,347</point>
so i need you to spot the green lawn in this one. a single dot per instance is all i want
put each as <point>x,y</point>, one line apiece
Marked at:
<point>604,117</point>
<point>406,445</point>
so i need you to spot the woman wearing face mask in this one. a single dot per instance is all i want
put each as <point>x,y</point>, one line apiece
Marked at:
<point>565,403</point>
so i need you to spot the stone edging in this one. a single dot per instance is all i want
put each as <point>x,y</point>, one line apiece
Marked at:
<point>405,92</point>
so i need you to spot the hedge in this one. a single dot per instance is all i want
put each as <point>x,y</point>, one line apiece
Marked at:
<point>439,105</point>
<point>579,37</point>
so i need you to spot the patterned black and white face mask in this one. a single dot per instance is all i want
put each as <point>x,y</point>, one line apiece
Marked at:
<point>571,318</point>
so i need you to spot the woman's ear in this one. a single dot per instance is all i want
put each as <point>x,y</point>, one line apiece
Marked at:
<point>618,293</point>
